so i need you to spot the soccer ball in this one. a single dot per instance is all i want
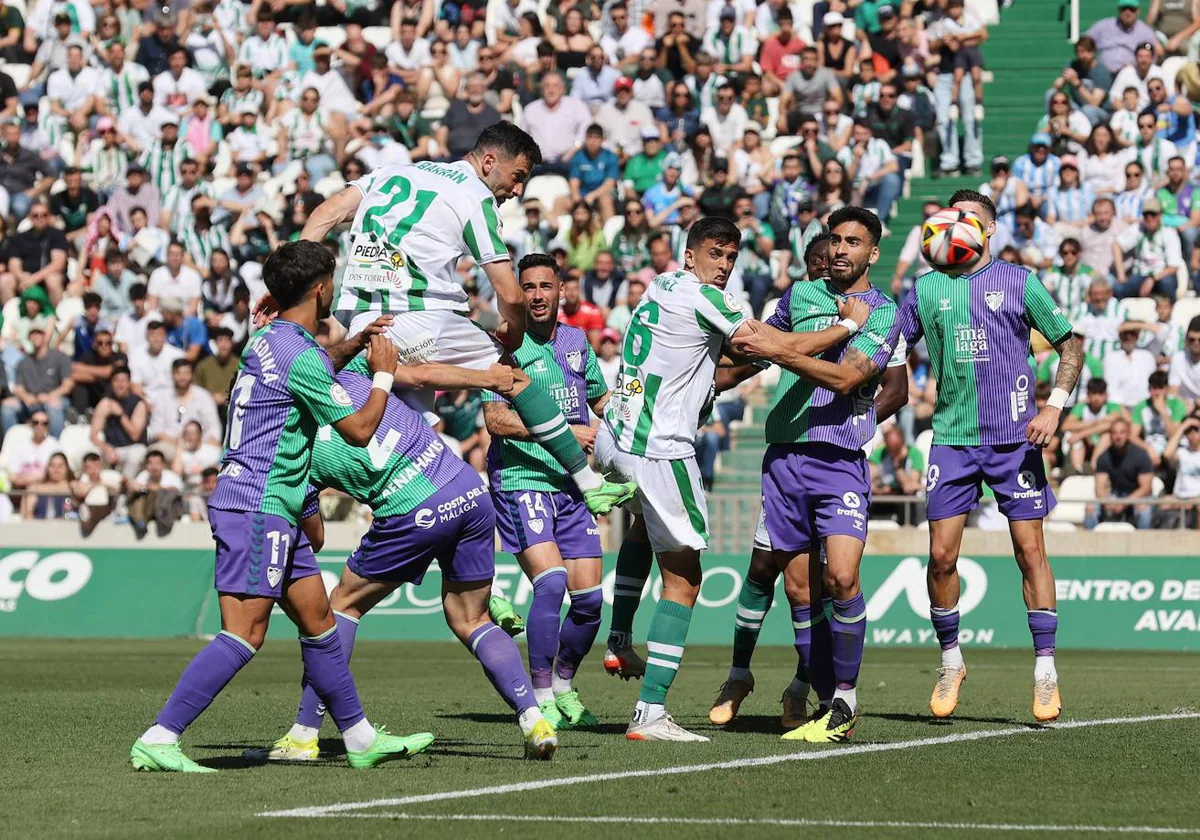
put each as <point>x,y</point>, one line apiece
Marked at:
<point>951,238</point>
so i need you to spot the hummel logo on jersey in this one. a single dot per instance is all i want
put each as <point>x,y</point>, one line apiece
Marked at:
<point>944,304</point>
<point>813,308</point>
<point>539,366</point>
<point>575,360</point>
<point>994,300</point>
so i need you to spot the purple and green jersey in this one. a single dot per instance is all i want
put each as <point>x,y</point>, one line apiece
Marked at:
<point>804,412</point>
<point>283,393</point>
<point>565,367</point>
<point>403,466</point>
<point>976,329</point>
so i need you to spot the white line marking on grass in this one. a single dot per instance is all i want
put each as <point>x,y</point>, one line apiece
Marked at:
<point>799,823</point>
<point>736,764</point>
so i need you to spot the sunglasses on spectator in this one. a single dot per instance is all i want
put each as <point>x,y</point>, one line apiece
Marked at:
<point>886,95</point>
<point>47,422</point>
<point>633,211</point>
<point>486,56</point>
<point>1069,252</point>
<point>1133,173</point>
<point>39,215</point>
<point>724,98</point>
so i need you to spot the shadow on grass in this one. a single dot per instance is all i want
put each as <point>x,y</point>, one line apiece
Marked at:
<point>930,720</point>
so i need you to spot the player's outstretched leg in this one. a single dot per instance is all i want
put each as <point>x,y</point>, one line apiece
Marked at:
<point>575,640</point>
<point>754,600</point>
<point>541,636</point>
<point>546,424</point>
<point>203,679</point>
<point>945,539</point>
<point>633,570</point>
<point>664,649</point>
<point>465,603</point>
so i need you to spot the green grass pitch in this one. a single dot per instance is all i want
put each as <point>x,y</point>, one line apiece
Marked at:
<point>72,709</point>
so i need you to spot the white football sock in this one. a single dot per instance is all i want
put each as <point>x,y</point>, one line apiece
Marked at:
<point>528,718</point>
<point>952,657</point>
<point>1043,666</point>
<point>541,695</point>
<point>497,592</point>
<point>359,737</point>
<point>561,685</point>
<point>159,735</point>
<point>303,733</point>
<point>742,674</point>
<point>849,696</point>
<point>645,712</point>
<point>587,478</point>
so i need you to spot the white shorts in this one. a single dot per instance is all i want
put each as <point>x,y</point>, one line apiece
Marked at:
<point>436,335</point>
<point>670,497</point>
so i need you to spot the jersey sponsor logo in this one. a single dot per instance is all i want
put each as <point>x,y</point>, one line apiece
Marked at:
<point>1018,398</point>
<point>456,507</point>
<point>339,395</point>
<point>51,578</point>
<point>1028,481</point>
<point>851,500</point>
<point>575,360</point>
<point>424,518</point>
<point>971,344</point>
<point>420,348</point>
<point>994,300</point>
<point>401,478</point>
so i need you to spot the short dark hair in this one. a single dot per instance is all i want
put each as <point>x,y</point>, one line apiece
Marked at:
<point>1159,379</point>
<point>1026,211</point>
<point>1097,385</point>
<point>1194,325</point>
<point>155,325</point>
<point>294,269</point>
<point>1072,242</point>
<point>91,456</point>
<point>784,14</point>
<point>510,141</point>
<point>817,241</point>
<point>91,299</point>
<point>595,129</point>
<point>155,453</point>
<point>72,170</point>
<point>178,363</point>
<point>221,332</point>
<point>119,369</point>
<point>721,231</point>
<point>536,260</point>
<point>975,197</point>
<point>858,215</point>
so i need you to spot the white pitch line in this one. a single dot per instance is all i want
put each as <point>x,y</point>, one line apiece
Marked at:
<point>736,764</point>
<point>798,823</point>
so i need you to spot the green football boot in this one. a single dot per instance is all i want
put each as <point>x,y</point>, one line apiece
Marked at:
<point>167,758</point>
<point>388,747</point>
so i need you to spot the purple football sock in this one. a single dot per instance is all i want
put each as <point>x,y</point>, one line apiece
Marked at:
<point>579,631</point>
<point>849,630</point>
<point>820,669</point>
<point>1043,624</point>
<point>501,661</point>
<point>312,710</point>
<point>945,624</point>
<point>205,676</point>
<point>326,670</point>
<point>803,626</point>
<point>542,623</point>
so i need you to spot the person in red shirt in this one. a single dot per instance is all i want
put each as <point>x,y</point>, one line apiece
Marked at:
<point>780,54</point>
<point>578,312</point>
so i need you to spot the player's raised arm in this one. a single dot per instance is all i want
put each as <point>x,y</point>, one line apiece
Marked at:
<point>497,378</point>
<point>331,213</point>
<point>510,303</point>
<point>358,428</point>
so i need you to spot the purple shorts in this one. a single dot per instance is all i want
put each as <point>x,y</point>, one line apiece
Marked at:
<point>529,517</point>
<point>1015,473</point>
<point>257,553</point>
<point>454,526</point>
<point>812,491</point>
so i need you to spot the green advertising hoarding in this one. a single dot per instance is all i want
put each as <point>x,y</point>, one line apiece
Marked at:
<point>1150,603</point>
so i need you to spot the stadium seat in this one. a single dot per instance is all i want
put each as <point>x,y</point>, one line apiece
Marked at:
<point>924,442</point>
<point>884,525</point>
<point>377,36</point>
<point>1170,69</point>
<point>1113,527</point>
<point>547,189</point>
<point>330,184</point>
<point>334,36</point>
<point>18,72</point>
<point>612,227</point>
<point>1062,527</point>
<point>1185,310</point>
<point>1141,309</point>
<point>1072,495</point>
<point>781,144</point>
<point>17,438</point>
<point>76,441</point>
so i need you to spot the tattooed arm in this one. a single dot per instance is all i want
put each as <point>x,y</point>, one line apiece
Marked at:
<point>844,377</point>
<point>1042,428</point>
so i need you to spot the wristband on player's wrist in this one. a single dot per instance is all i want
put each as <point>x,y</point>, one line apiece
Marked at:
<point>383,381</point>
<point>1058,398</point>
<point>850,324</point>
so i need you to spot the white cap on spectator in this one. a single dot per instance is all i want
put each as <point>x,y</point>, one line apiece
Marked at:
<point>833,19</point>
<point>172,304</point>
<point>755,127</point>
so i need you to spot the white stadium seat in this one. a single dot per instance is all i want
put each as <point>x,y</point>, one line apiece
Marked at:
<point>15,439</point>
<point>1170,69</point>
<point>1141,309</point>
<point>547,189</point>
<point>612,227</point>
<point>334,36</point>
<point>1073,493</point>
<point>784,142</point>
<point>377,36</point>
<point>18,72</point>
<point>924,443</point>
<point>1185,310</point>
<point>1114,527</point>
<point>76,441</point>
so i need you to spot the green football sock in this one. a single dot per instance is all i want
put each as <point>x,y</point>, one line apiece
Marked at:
<point>753,602</point>
<point>664,649</point>
<point>548,427</point>
<point>633,568</point>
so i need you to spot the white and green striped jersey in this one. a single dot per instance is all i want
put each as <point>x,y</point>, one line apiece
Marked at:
<point>668,360</point>
<point>307,134</point>
<point>730,50</point>
<point>120,89</point>
<point>162,164</point>
<point>177,203</point>
<point>232,16</point>
<point>233,100</point>
<point>414,223</point>
<point>200,245</point>
<point>264,57</point>
<point>1099,329</point>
